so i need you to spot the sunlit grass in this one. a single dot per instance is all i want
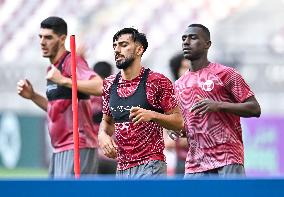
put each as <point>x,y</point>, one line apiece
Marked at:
<point>23,173</point>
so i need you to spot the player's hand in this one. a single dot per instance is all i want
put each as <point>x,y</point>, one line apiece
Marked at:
<point>204,105</point>
<point>138,115</point>
<point>107,145</point>
<point>25,89</point>
<point>55,75</point>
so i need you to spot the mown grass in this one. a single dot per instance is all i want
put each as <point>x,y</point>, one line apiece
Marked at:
<point>23,173</point>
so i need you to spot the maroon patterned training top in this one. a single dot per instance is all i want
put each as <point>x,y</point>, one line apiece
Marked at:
<point>144,142</point>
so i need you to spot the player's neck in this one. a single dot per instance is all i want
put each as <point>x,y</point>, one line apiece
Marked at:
<point>132,71</point>
<point>58,55</point>
<point>199,64</point>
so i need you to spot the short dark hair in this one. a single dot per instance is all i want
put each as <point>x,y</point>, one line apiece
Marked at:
<point>104,69</point>
<point>204,29</point>
<point>136,35</point>
<point>175,64</point>
<point>57,24</point>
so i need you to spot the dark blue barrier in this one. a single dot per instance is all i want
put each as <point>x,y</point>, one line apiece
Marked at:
<point>145,188</point>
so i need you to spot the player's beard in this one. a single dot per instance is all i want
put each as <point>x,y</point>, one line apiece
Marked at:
<point>125,64</point>
<point>193,55</point>
<point>53,51</point>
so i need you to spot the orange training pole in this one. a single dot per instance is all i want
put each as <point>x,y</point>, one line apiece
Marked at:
<point>75,108</point>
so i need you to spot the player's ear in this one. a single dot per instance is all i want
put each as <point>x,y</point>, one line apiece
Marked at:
<point>208,44</point>
<point>63,37</point>
<point>139,50</point>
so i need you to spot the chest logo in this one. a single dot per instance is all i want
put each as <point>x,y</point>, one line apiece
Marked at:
<point>51,87</point>
<point>208,85</point>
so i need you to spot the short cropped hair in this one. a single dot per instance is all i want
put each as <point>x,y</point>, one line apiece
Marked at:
<point>204,29</point>
<point>103,68</point>
<point>136,35</point>
<point>57,24</point>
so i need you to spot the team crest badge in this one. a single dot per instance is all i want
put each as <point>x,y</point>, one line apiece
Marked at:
<point>208,85</point>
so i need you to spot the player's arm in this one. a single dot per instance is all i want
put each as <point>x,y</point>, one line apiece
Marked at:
<point>25,90</point>
<point>40,101</point>
<point>92,86</point>
<point>106,142</point>
<point>171,120</point>
<point>249,108</point>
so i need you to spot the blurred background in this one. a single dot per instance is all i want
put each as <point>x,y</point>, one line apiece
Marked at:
<point>246,34</point>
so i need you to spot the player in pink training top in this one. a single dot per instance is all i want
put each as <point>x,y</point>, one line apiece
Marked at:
<point>213,97</point>
<point>58,104</point>
<point>137,104</point>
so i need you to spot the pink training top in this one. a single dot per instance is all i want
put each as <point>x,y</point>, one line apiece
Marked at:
<point>144,142</point>
<point>60,117</point>
<point>215,140</point>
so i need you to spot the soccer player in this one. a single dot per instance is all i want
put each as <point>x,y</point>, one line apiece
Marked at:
<point>58,104</point>
<point>137,104</point>
<point>213,97</point>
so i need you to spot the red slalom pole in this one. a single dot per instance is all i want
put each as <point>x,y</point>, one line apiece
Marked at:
<point>75,108</point>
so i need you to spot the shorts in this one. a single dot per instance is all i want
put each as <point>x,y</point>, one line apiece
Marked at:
<point>232,170</point>
<point>62,163</point>
<point>152,169</point>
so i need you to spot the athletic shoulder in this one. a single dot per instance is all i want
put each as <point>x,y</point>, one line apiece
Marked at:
<point>79,60</point>
<point>109,80</point>
<point>224,69</point>
<point>156,77</point>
